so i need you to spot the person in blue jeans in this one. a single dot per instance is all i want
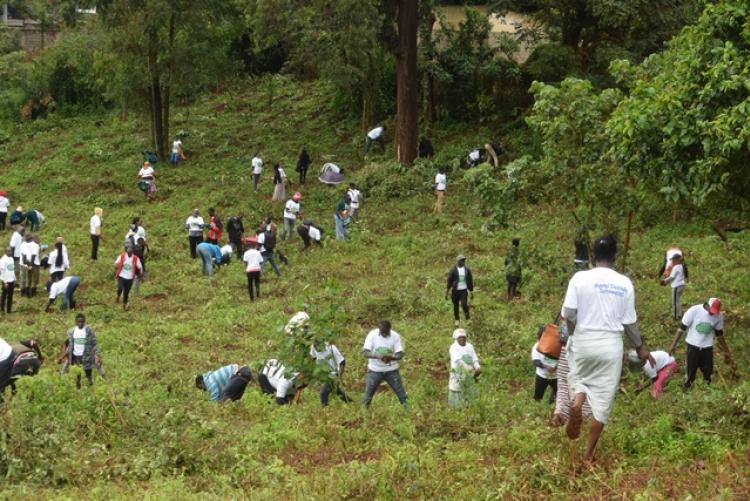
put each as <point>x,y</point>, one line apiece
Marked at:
<point>383,349</point>
<point>210,255</point>
<point>341,217</point>
<point>65,287</point>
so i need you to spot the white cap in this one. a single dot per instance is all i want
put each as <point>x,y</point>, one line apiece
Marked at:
<point>459,333</point>
<point>298,320</point>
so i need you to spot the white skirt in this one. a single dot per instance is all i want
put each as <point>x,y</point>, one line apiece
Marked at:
<point>595,360</point>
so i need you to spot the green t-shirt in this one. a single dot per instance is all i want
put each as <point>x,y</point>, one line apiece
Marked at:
<point>340,207</point>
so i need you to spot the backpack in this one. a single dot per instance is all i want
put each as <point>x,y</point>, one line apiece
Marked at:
<point>270,240</point>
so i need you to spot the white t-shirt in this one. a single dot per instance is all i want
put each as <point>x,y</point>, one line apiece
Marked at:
<point>677,275</point>
<point>282,174</point>
<point>4,204</point>
<point>7,269</point>
<point>257,165</point>
<point>130,266</point>
<point>375,133</point>
<point>330,355</point>
<point>314,233</point>
<point>5,350</point>
<point>461,285</point>
<point>176,145</point>
<point>474,155</point>
<point>146,172</point>
<point>605,300</point>
<point>59,287</point>
<point>226,250</point>
<point>545,360</point>
<point>195,224</point>
<point>380,345</point>
<point>274,371</point>
<point>662,359</point>
<point>95,225</point>
<point>291,209</point>
<point>252,260</point>
<point>354,197</point>
<point>463,358</point>
<point>15,241</point>
<point>29,249</point>
<point>440,181</point>
<point>701,326</point>
<point>52,258</point>
<point>79,341</point>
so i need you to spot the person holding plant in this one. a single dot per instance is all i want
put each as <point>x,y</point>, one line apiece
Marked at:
<point>329,354</point>
<point>703,323</point>
<point>226,383</point>
<point>383,350</point>
<point>465,370</point>
<point>513,269</point>
<point>460,285</point>
<point>83,349</point>
<point>194,225</point>
<point>599,306</point>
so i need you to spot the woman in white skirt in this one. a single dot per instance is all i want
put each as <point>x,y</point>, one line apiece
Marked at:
<point>279,181</point>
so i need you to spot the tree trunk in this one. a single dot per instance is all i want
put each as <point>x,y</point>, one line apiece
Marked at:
<point>156,101</point>
<point>167,95</point>
<point>407,82</point>
<point>427,49</point>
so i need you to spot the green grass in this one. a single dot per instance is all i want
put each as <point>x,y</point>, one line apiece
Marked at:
<point>147,432</point>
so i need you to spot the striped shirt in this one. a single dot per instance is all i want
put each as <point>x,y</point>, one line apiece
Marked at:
<point>216,381</point>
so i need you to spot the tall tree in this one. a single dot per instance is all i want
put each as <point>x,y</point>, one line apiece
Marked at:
<point>407,128</point>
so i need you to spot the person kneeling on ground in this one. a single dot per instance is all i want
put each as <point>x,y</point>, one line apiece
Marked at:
<point>226,383</point>
<point>274,379</point>
<point>657,375</point>
<point>18,359</point>
<point>82,349</point>
<point>329,354</point>
<point>465,370</point>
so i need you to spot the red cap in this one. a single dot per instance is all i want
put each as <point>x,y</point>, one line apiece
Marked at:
<point>714,306</point>
<point>3,193</point>
<point>251,240</point>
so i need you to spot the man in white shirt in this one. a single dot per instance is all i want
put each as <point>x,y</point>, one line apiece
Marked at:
<point>257,163</point>
<point>383,349</point>
<point>375,136</point>
<point>676,279</point>
<point>291,211</point>
<point>275,379</point>
<point>4,204</point>
<point>194,226</point>
<point>441,182</point>
<point>599,305</point>
<point>330,355</point>
<point>177,153</point>
<point>29,266</point>
<point>95,230</point>
<point>465,370</point>
<point>16,239</point>
<point>702,322</point>
<point>8,279</point>
<point>354,198</point>
<point>65,287</point>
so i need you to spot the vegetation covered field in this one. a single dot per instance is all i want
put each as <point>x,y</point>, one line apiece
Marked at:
<point>146,431</point>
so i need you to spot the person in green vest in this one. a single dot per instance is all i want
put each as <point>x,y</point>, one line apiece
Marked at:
<point>513,269</point>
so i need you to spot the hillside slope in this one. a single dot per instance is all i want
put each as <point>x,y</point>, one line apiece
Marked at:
<point>146,431</point>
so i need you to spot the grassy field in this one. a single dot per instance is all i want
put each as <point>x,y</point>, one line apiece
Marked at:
<point>146,431</point>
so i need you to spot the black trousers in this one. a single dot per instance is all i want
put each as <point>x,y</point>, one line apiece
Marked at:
<point>461,297</point>
<point>6,369</point>
<point>267,388</point>
<point>87,372</point>
<point>235,388</point>
<point>540,386</point>
<point>698,358</point>
<point>123,288</point>
<point>253,278</point>
<point>302,175</point>
<point>3,217</point>
<point>194,241</point>
<point>236,240</point>
<point>6,297</point>
<point>325,392</point>
<point>512,284</point>
<point>95,246</point>
<point>57,276</point>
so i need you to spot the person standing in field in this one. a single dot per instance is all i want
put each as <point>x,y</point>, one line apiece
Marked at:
<point>375,136</point>
<point>95,231</point>
<point>354,200</point>
<point>441,182</point>
<point>4,205</point>
<point>215,227</point>
<point>291,211</point>
<point>279,183</point>
<point>8,279</point>
<point>29,266</point>
<point>330,355</point>
<point>227,383</point>
<point>303,163</point>
<point>465,370</point>
<point>341,217</point>
<point>235,230</point>
<point>16,240</point>
<point>253,261</point>
<point>267,244</point>
<point>127,267</point>
<point>582,243</point>
<point>383,349</point>
<point>702,322</point>
<point>676,280</point>
<point>546,372</point>
<point>513,269</point>
<point>147,179</point>
<point>599,306</point>
<point>177,153</point>
<point>194,226</point>
<point>460,285</point>
<point>58,260</point>
<point>83,349</point>
<point>257,164</point>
